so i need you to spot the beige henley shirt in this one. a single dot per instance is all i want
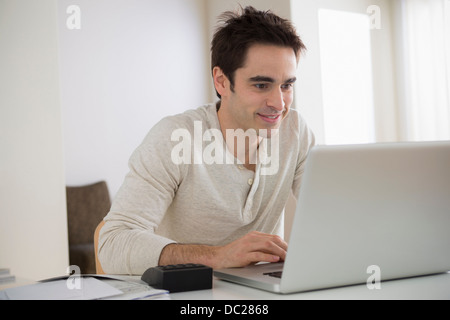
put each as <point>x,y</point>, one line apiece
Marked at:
<point>184,186</point>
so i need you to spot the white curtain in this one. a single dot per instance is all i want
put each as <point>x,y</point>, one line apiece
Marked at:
<point>426,34</point>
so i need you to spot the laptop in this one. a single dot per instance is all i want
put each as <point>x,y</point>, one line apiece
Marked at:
<point>362,210</point>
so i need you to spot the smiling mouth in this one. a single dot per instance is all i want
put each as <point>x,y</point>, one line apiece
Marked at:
<point>272,118</point>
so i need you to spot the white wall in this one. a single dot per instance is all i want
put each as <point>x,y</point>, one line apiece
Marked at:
<point>131,63</point>
<point>33,231</point>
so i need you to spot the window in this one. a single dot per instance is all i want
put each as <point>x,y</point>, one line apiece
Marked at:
<point>346,67</point>
<point>426,66</point>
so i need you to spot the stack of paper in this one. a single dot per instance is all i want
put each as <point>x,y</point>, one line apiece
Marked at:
<point>85,288</point>
<point>5,277</point>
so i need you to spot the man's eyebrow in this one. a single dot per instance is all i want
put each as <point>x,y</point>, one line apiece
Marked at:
<point>270,80</point>
<point>262,79</point>
<point>291,80</point>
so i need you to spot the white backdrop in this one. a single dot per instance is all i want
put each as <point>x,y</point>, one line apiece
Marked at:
<point>130,63</point>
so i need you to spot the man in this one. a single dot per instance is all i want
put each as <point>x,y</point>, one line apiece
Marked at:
<point>202,187</point>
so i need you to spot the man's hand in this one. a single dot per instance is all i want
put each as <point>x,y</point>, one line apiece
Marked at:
<point>252,248</point>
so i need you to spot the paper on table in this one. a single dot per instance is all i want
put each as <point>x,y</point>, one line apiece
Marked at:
<point>90,288</point>
<point>135,290</point>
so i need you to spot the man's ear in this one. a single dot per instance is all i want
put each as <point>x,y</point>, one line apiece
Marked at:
<point>221,82</point>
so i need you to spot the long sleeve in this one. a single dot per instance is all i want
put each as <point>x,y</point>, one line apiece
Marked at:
<point>127,242</point>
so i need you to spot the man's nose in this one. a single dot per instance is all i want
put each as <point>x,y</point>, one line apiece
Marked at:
<point>276,100</point>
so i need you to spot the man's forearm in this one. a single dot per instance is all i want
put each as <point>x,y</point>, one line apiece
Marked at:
<point>252,248</point>
<point>187,253</point>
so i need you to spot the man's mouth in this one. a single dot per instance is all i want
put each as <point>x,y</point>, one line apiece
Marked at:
<point>271,118</point>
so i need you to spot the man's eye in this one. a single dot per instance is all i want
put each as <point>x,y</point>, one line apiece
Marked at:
<point>261,86</point>
<point>287,86</point>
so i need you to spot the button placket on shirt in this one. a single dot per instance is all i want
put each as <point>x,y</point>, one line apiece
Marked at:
<point>252,182</point>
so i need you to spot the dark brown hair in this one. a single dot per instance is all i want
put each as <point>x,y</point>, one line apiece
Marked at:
<point>239,31</point>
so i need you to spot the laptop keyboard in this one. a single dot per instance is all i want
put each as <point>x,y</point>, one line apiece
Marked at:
<point>276,274</point>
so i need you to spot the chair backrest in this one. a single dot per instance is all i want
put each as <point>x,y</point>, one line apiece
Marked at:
<point>86,206</point>
<point>98,266</point>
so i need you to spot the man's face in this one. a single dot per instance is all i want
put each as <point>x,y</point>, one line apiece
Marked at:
<point>263,90</point>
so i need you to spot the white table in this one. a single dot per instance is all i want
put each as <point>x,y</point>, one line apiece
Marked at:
<point>422,288</point>
<point>434,287</point>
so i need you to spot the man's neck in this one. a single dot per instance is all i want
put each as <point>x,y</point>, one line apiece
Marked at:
<point>242,144</point>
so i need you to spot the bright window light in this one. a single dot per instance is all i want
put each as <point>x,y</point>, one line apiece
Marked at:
<point>346,66</point>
